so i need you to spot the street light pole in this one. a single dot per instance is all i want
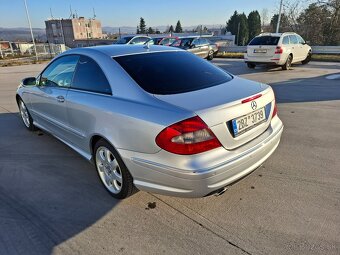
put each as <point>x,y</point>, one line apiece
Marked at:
<point>30,25</point>
<point>279,18</point>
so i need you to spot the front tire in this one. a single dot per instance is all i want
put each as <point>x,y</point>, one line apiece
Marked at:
<point>26,116</point>
<point>251,65</point>
<point>288,63</point>
<point>308,59</point>
<point>112,171</point>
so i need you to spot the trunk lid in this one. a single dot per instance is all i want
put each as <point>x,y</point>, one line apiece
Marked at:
<point>261,51</point>
<point>217,106</point>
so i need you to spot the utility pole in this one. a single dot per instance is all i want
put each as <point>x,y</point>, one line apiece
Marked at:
<point>30,25</point>
<point>279,18</point>
<point>238,32</point>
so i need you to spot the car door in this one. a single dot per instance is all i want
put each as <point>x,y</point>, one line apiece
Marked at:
<point>204,47</point>
<point>295,48</point>
<point>89,90</point>
<point>195,47</point>
<point>303,47</point>
<point>48,98</point>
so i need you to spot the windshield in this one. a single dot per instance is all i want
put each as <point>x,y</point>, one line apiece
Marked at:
<point>265,40</point>
<point>124,40</point>
<point>166,73</point>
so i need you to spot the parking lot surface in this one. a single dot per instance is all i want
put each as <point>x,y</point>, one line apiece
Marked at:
<point>52,202</point>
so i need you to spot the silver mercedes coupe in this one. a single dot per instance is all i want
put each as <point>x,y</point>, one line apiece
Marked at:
<point>153,118</point>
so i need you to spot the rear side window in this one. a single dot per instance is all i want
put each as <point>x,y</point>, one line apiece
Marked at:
<point>90,77</point>
<point>293,39</point>
<point>285,40</point>
<point>166,73</point>
<point>265,40</point>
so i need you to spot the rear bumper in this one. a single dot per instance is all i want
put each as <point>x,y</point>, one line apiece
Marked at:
<point>206,176</point>
<point>275,60</point>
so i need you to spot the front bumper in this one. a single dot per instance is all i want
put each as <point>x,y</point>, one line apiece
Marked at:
<point>203,174</point>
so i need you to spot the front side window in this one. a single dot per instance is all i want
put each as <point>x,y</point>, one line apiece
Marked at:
<point>300,39</point>
<point>293,39</point>
<point>90,77</point>
<point>166,73</point>
<point>60,72</point>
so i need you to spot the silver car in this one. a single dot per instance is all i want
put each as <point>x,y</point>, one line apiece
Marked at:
<point>154,118</point>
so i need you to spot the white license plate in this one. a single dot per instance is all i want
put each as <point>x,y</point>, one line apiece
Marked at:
<point>260,51</point>
<point>249,121</point>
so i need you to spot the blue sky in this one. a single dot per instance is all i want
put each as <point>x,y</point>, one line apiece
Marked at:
<point>127,12</point>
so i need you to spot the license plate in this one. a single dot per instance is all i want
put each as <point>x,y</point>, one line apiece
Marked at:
<point>249,121</point>
<point>260,51</point>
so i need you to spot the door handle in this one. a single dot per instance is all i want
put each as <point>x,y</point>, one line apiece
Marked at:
<point>60,99</point>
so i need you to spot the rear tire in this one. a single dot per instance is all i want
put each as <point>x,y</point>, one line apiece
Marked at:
<point>26,116</point>
<point>251,65</point>
<point>210,55</point>
<point>308,59</point>
<point>288,63</point>
<point>112,171</point>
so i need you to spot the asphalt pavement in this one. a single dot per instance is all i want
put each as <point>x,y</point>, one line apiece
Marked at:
<point>52,202</point>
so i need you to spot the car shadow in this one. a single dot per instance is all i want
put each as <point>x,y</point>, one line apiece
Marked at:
<point>307,89</point>
<point>48,193</point>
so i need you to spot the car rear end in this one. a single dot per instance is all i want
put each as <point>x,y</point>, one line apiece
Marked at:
<point>265,49</point>
<point>232,130</point>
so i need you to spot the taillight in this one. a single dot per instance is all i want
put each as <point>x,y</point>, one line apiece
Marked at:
<point>275,110</point>
<point>278,50</point>
<point>190,136</point>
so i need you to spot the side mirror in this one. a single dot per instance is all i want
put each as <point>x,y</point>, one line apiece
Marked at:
<point>307,42</point>
<point>192,46</point>
<point>30,81</point>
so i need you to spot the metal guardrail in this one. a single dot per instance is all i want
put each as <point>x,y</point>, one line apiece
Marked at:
<point>315,49</point>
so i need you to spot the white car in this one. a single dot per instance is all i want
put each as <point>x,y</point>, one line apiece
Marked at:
<point>281,49</point>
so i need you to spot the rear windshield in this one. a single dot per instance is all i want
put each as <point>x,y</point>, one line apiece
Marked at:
<point>166,73</point>
<point>123,40</point>
<point>265,40</point>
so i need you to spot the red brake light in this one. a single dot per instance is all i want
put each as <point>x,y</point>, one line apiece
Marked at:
<point>250,98</point>
<point>187,137</point>
<point>278,50</point>
<point>275,110</point>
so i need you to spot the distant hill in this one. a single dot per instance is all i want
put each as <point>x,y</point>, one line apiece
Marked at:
<point>132,30</point>
<point>22,34</point>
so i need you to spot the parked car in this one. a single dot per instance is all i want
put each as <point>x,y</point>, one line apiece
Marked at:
<point>167,41</point>
<point>154,40</point>
<point>139,39</point>
<point>200,46</point>
<point>281,49</point>
<point>158,119</point>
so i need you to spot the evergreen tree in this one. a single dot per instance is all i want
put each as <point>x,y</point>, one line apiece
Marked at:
<point>178,28</point>
<point>150,30</point>
<point>244,31</point>
<point>142,26</point>
<point>171,29</point>
<point>138,31</point>
<point>238,26</point>
<point>254,24</point>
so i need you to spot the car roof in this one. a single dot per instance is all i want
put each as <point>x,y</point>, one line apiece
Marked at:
<point>277,34</point>
<point>120,50</point>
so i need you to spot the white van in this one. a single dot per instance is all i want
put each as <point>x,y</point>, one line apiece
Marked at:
<point>281,49</point>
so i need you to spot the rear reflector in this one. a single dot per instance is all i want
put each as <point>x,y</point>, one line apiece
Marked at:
<point>251,98</point>
<point>187,137</point>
